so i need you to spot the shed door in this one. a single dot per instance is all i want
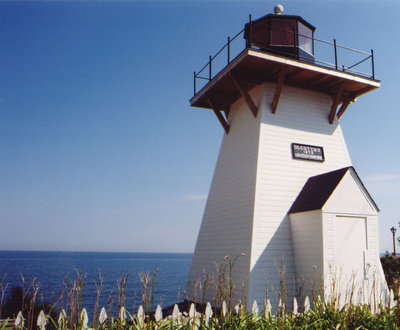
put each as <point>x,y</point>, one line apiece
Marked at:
<point>350,244</point>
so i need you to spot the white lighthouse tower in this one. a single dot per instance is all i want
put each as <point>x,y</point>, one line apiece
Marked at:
<point>285,204</point>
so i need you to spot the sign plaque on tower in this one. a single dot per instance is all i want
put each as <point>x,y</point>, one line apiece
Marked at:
<point>303,151</point>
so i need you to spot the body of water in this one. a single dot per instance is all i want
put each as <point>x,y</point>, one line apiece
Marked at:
<point>52,269</point>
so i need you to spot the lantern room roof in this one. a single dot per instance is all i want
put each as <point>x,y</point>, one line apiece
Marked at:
<point>253,67</point>
<point>268,17</point>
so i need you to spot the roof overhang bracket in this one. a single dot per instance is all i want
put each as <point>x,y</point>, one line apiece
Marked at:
<point>227,111</point>
<point>335,103</point>
<point>245,94</point>
<point>278,89</point>
<point>342,109</point>
<point>219,115</point>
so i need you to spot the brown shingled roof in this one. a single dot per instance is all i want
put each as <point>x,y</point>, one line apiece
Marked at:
<point>319,188</point>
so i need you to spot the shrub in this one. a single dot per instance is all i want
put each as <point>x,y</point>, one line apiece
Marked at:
<point>391,268</point>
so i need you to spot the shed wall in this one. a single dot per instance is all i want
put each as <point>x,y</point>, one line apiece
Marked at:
<point>350,197</point>
<point>307,234</point>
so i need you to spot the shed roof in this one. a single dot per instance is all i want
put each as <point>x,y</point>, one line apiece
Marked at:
<point>319,188</point>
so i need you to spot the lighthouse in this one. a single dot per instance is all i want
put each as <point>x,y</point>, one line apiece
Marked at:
<point>286,212</point>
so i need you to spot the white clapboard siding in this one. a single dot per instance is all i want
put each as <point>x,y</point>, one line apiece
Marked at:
<point>351,201</point>
<point>227,223</point>
<point>307,235</point>
<point>301,117</point>
<point>255,182</point>
<point>338,243</point>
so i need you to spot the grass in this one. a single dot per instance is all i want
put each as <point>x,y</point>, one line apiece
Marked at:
<point>323,313</point>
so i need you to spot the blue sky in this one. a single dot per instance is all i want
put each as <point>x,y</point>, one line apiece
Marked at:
<point>99,148</point>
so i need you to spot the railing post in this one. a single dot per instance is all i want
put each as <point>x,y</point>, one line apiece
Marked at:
<point>194,83</point>
<point>334,43</point>
<point>250,32</point>
<point>210,69</point>
<point>229,50</point>
<point>373,66</point>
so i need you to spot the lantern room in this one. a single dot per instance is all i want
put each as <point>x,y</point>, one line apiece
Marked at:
<point>285,35</point>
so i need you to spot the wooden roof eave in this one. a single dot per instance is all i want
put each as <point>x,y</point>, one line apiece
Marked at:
<point>317,78</point>
<point>222,74</point>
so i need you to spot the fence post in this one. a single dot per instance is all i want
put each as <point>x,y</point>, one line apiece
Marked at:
<point>141,316</point>
<point>84,318</point>
<point>208,313</point>
<point>41,321</point>
<point>158,314</point>
<point>102,316</point>
<point>176,316</point>
<point>306,305</point>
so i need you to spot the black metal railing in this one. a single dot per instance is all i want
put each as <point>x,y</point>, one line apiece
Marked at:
<point>349,60</point>
<point>227,46</point>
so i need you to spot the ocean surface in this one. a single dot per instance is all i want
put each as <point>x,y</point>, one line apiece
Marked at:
<point>52,269</point>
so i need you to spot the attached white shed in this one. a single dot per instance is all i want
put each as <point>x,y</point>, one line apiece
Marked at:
<point>334,224</point>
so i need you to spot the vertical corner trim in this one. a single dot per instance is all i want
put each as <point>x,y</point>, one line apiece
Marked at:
<point>245,94</point>
<point>278,90</point>
<point>220,117</point>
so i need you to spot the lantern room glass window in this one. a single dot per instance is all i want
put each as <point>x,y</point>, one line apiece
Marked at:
<point>305,38</point>
<point>282,32</point>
